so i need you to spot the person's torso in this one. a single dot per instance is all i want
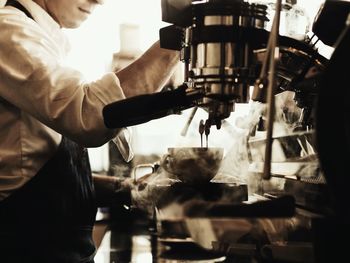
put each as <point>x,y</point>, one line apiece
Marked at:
<point>25,143</point>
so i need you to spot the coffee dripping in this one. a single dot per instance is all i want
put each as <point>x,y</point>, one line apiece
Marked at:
<point>230,57</point>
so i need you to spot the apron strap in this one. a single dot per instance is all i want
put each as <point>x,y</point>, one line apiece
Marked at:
<point>19,6</point>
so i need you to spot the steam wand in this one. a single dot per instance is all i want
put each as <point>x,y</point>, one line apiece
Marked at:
<point>189,121</point>
<point>272,56</point>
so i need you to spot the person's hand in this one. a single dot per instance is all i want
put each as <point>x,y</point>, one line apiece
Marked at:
<point>148,189</point>
<point>142,182</point>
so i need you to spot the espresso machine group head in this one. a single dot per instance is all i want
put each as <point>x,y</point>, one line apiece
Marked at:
<point>217,39</point>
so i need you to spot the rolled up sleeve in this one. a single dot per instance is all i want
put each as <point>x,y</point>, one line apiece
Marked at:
<point>34,80</point>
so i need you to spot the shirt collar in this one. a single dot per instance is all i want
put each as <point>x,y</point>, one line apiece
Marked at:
<point>47,23</point>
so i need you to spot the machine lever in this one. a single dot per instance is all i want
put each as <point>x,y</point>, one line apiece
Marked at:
<point>143,108</point>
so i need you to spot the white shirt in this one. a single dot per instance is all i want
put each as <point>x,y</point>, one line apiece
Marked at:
<point>40,98</point>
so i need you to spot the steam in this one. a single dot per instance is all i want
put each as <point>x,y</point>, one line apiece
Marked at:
<point>236,167</point>
<point>293,152</point>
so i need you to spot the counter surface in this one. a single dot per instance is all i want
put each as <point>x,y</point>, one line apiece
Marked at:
<point>124,243</point>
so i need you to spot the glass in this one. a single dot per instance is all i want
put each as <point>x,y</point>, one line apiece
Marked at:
<point>295,21</point>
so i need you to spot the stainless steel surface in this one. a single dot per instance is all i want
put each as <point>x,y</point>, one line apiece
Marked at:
<point>221,68</point>
<point>234,21</point>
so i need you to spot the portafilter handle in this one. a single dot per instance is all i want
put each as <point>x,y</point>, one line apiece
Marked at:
<point>143,108</point>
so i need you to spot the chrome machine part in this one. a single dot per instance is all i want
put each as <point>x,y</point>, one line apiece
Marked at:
<point>218,39</point>
<point>296,61</point>
<point>223,45</point>
<point>222,60</point>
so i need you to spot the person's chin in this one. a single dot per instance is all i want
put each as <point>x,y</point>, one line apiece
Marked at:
<point>73,24</point>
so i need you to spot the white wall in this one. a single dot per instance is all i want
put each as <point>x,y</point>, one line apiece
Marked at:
<point>98,38</point>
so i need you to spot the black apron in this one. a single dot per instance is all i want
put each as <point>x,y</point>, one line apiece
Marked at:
<point>50,219</point>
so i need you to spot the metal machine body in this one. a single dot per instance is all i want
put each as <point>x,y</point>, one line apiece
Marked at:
<point>222,60</point>
<point>224,48</point>
<point>224,45</point>
<point>218,51</point>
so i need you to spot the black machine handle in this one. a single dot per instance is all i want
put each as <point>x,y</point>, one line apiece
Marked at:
<point>143,108</point>
<point>283,206</point>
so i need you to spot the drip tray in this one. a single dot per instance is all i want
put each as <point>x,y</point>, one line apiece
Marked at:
<point>191,252</point>
<point>213,191</point>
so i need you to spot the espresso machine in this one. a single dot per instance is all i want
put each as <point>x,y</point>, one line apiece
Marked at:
<point>230,57</point>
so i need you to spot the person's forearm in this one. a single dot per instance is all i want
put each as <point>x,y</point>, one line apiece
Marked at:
<point>150,72</point>
<point>111,191</point>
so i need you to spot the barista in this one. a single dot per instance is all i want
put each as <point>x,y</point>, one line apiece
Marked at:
<point>49,114</point>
